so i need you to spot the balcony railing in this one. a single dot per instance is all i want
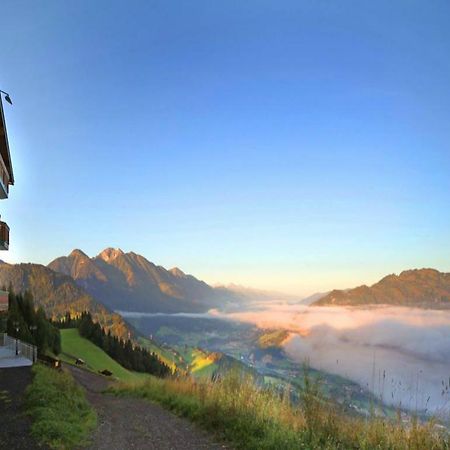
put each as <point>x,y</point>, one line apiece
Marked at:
<point>4,236</point>
<point>19,348</point>
<point>4,180</point>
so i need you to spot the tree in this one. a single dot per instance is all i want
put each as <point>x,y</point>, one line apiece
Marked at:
<point>30,325</point>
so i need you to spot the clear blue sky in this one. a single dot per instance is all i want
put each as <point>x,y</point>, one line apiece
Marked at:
<point>297,145</point>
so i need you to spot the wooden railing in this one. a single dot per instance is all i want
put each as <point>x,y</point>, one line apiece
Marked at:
<point>4,176</point>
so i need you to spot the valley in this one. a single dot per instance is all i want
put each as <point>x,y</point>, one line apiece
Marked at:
<point>202,340</point>
<point>372,351</point>
<point>203,330</point>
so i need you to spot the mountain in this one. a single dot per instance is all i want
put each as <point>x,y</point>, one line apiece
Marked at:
<point>424,288</point>
<point>58,293</point>
<point>312,298</point>
<point>129,282</point>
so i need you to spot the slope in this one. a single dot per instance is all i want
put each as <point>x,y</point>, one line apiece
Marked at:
<point>424,288</point>
<point>58,293</point>
<point>74,346</point>
<point>129,282</point>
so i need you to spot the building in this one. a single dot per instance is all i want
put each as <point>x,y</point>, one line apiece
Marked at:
<point>6,174</point>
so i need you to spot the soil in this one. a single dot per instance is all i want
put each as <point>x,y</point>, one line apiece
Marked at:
<point>130,423</point>
<point>15,425</point>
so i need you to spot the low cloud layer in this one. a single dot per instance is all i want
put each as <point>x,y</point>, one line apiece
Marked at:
<point>141,315</point>
<point>400,354</point>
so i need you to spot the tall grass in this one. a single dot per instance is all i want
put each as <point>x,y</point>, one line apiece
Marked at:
<point>253,418</point>
<point>62,417</point>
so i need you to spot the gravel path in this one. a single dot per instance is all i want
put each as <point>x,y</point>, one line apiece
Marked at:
<point>129,423</point>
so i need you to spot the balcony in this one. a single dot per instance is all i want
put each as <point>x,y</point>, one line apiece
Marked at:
<point>4,236</point>
<point>4,180</point>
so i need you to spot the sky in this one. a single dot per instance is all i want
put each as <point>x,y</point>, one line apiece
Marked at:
<point>296,146</point>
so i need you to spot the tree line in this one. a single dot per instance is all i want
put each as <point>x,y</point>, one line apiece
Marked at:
<point>25,322</point>
<point>128,355</point>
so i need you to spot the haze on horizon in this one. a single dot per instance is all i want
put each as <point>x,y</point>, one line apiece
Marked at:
<point>296,147</point>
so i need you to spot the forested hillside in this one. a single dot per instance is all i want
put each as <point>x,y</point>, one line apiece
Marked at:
<point>57,293</point>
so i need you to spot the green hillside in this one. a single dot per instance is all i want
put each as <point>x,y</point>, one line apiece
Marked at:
<point>74,346</point>
<point>168,356</point>
<point>189,359</point>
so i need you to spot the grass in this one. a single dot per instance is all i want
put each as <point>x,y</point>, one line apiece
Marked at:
<point>253,418</point>
<point>197,361</point>
<point>203,363</point>
<point>74,346</point>
<point>62,417</point>
<point>164,355</point>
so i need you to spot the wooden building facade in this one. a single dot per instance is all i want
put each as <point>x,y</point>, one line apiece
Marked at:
<point>6,176</point>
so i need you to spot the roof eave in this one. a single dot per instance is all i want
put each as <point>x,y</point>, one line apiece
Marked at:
<point>8,163</point>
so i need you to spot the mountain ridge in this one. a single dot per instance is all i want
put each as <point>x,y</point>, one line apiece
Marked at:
<point>130,282</point>
<point>426,288</point>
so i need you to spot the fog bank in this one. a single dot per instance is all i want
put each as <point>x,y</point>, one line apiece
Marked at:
<point>400,354</point>
<point>141,315</point>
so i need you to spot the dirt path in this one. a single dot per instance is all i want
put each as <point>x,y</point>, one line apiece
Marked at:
<point>129,423</point>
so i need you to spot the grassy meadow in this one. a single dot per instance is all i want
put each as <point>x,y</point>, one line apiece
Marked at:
<point>62,417</point>
<point>74,346</point>
<point>253,418</point>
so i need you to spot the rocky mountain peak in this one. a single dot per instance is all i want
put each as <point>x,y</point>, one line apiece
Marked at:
<point>109,254</point>
<point>177,272</point>
<point>129,282</point>
<point>77,253</point>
